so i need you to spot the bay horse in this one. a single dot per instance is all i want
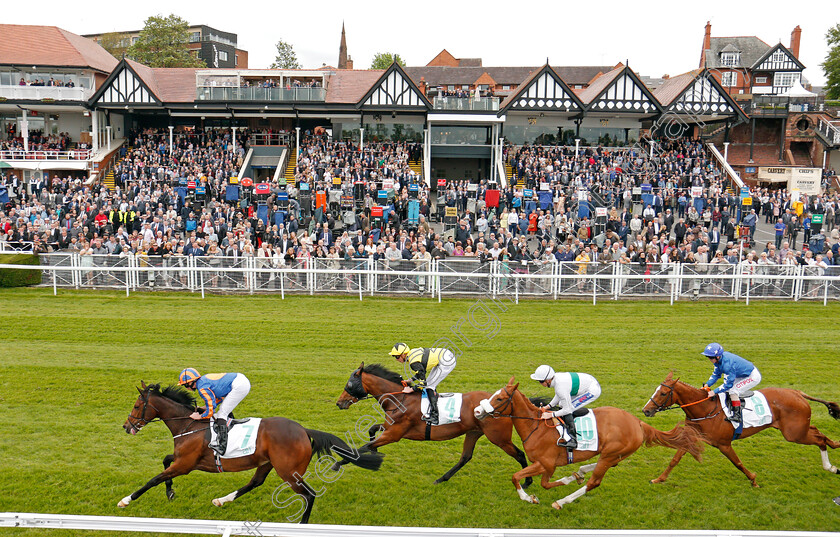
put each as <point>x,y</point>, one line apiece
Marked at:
<point>281,444</point>
<point>789,408</point>
<point>403,419</point>
<point>620,434</point>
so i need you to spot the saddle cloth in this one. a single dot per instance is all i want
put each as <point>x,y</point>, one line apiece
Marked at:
<point>242,438</point>
<point>449,407</point>
<point>756,411</point>
<point>587,432</point>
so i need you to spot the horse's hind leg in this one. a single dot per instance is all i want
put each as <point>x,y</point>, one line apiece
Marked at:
<point>372,432</point>
<point>466,454</point>
<point>813,436</point>
<point>170,494</point>
<point>674,462</point>
<point>578,476</point>
<point>732,456</point>
<point>256,481</point>
<point>601,467</point>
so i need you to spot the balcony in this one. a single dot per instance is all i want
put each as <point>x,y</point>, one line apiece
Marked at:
<point>780,106</point>
<point>261,94</point>
<point>14,154</point>
<point>41,93</point>
<point>830,130</point>
<point>485,104</point>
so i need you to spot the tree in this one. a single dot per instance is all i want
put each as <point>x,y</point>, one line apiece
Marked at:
<point>383,60</point>
<point>286,57</point>
<point>831,65</point>
<point>163,42</point>
<point>116,43</point>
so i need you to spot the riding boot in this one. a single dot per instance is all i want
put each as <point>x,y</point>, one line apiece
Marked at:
<point>433,408</point>
<point>571,444</point>
<point>220,426</point>
<point>737,413</point>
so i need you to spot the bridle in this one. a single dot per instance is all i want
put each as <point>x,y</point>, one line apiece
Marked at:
<point>670,405</point>
<point>356,390</point>
<point>144,396</point>
<point>496,413</point>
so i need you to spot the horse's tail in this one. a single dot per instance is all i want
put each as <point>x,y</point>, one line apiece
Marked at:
<point>833,408</point>
<point>680,438</point>
<point>329,443</point>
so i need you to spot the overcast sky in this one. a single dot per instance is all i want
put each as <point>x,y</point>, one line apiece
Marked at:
<point>658,37</point>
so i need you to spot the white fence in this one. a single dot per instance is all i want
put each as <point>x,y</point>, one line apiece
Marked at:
<point>433,279</point>
<point>270,529</point>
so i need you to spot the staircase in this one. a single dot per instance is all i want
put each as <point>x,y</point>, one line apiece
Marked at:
<point>109,181</point>
<point>508,172</point>
<point>416,166</point>
<point>289,174</point>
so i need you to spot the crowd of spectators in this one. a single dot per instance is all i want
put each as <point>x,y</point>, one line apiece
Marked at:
<point>38,142</point>
<point>51,82</point>
<point>683,214</point>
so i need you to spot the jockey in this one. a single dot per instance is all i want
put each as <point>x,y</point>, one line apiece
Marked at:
<point>571,391</point>
<point>430,367</point>
<point>225,388</point>
<point>739,376</point>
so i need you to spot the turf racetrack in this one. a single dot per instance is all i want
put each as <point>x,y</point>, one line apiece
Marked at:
<point>71,363</point>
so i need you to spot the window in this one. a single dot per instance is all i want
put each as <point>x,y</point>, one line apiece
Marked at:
<point>761,80</point>
<point>730,59</point>
<point>729,79</point>
<point>506,87</point>
<point>778,57</point>
<point>484,87</point>
<point>236,60</point>
<point>223,55</point>
<point>133,40</point>
<point>785,80</point>
<point>465,86</point>
<point>195,36</point>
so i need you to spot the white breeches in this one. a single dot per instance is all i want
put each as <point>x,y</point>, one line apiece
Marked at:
<point>745,384</point>
<point>239,389</point>
<point>444,367</point>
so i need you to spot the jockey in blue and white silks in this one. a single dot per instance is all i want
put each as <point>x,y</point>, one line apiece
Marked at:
<point>223,389</point>
<point>739,376</point>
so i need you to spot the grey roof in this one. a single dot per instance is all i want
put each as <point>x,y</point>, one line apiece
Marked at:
<point>751,49</point>
<point>438,76</point>
<point>469,62</point>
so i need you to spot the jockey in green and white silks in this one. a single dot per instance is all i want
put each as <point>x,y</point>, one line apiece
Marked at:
<point>571,391</point>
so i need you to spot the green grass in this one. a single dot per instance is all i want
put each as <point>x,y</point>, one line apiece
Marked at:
<point>70,364</point>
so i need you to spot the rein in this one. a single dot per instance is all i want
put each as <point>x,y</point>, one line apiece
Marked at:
<point>669,405</point>
<point>143,421</point>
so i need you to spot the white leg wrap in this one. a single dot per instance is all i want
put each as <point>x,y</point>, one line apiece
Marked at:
<point>587,468</point>
<point>826,464</point>
<point>523,495</point>
<point>125,501</point>
<point>566,480</point>
<point>570,498</point>
<point>218,502</point>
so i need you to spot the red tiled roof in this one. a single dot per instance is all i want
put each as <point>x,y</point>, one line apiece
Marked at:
<point>349,86</point>
<point>170,85</point>
<point>599,84</point>
<point>50,45</point>
<point>674,86</point>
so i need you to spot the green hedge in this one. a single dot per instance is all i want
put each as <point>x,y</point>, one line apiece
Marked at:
<point>19,278</point>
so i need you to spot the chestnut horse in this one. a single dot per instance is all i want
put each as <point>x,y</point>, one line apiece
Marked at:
<point>403,419</point>
<point>620,434</point>
<point>789,408</point>
<point>282,444</point>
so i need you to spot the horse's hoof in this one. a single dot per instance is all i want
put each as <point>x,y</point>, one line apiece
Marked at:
<point>336,467</point>
<point>217,502</point>
<point>756,485</point>
<point>657,480</point>
<point>556,506</point>
<point>170,495</point>
<point>124,502</point>
<point>534,499</point>
<point>580,478</point>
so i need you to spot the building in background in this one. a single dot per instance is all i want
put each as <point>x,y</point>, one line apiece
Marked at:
<point>216,48</point>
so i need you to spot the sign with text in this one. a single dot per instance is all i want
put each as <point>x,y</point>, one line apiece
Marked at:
<point>582,195</point>
<point>452,212</point>
<point>696,191</point>
<point>807,180</point>
<point>600,211</point>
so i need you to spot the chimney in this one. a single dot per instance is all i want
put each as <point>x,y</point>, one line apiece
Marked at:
<point>422,85</point>
<point>795,36</point>
<point>707,44</point>
<point>349,63</point>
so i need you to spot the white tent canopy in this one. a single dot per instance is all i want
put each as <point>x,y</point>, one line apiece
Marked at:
<point>798,91</point>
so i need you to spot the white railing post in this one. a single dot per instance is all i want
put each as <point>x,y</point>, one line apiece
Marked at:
<point>55,283</point>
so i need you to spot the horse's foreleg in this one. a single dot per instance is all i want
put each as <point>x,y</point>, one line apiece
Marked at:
<point>674,462</point>
<point>174,470</point>
<point>826,464</point>
<point>601,467</point>
<point>529,471</point>
<point>466,454</point>
<point>510,448</point>
<point>732,456</point>
<point>389,436</point>
<point>258,479</point>
<point>579,476</point>
<point>166,462</point>
<point>378,428</point>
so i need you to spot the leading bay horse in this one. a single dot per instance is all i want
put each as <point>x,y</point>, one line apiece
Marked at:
<point>403,419</point>
<point>620,434</point>
<point>281,444</point>
<point>789,408</point>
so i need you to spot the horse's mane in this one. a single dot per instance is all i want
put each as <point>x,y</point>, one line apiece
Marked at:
<point>383,372</point>
<point>174,393</point>
<point>540,401</point>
